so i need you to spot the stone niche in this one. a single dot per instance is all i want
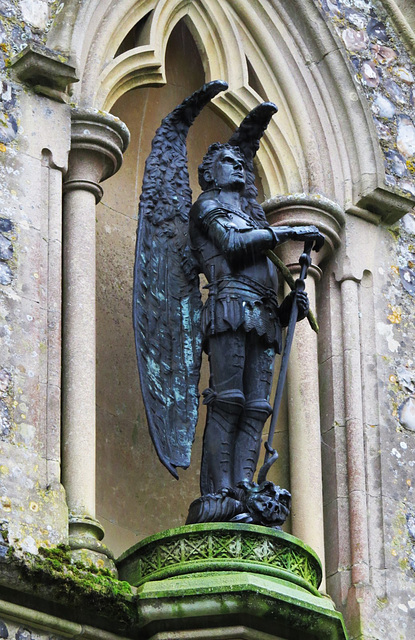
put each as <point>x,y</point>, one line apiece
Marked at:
<point>136,496</point>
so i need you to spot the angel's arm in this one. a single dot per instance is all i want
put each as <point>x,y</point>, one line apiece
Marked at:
<point>235,243</point>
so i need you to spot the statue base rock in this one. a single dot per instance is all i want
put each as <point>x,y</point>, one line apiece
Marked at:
<point>229,581</point>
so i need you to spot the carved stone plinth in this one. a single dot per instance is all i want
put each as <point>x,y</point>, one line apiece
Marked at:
<point>227,580</point>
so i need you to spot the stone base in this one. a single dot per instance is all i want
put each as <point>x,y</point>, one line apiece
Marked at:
<point>226,580</point>
<point>85,535</point>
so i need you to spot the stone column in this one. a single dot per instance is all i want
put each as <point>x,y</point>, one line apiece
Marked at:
<point>356,461</point>
<point>302,380</point>
<point>98,141</point>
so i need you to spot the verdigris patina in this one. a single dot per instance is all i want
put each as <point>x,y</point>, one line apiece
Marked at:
<point>224,236</point>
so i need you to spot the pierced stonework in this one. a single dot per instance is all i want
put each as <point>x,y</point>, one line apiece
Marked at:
<point>223,547</point>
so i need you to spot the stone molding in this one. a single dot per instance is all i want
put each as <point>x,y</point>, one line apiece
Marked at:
<point>49,72</point>
<point>221,546</point>
<point>98,141</point>
<point>401,24</point>
<point>307,77</point>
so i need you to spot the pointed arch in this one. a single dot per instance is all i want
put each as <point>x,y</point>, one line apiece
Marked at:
<point>323,139</point>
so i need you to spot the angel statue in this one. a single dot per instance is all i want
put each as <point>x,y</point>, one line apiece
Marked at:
<point>224,235</point>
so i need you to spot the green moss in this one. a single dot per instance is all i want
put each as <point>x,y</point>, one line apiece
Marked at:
<point>86,585</point>
<point>395,232</point>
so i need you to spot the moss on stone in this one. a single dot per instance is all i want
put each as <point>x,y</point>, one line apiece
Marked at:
<point>88,586</point>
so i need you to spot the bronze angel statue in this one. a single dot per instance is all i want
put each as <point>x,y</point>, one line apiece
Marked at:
<point>223,235</point>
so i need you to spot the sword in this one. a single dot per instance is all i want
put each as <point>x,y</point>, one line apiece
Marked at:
<point>271,454</point>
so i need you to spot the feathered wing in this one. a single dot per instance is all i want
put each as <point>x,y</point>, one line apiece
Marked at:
<point>166,297</point>
<point>247,138</point>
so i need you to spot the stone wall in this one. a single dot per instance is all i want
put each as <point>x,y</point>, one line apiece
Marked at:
<point>382,68</point>
<point>135,496</point>
<point>32,156</point>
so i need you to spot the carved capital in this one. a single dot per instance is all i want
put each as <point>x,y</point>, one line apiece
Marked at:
<point>306,209</point>
<point>98,141</point>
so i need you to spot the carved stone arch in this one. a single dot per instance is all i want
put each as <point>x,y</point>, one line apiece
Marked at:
<point>211,30</point>
<point>305,72</point>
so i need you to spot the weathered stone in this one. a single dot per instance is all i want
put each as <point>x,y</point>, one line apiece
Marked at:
<point>8,127</point>
<point>48,71</point>
<point>6,225</point>
<point>358,19</point>
<point>408,222</point>
<point>406,136</point>
<point>383,107</point>
<point>404,74</point>
<point>398,164</point>
<point>6,275</point>
<point>395,92</point>
<point>377,30</point>
<point>370,74</point>
<point>5,425</point>
<point>355,40</point>
<point>410,521</point>
<point>6,248</point>
<point>3,630</point>
<point>408,280</point>
<point>407,414</point>
<point>35,12</point>
<point>220,546</point>
<point>384,55</point>
<point>23,634</point>
<point>408,186</point>
<point>383,131</point>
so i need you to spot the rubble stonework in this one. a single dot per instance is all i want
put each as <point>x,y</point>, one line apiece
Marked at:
<point>383,70</point>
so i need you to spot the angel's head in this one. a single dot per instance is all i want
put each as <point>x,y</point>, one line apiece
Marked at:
<point>223,167</point>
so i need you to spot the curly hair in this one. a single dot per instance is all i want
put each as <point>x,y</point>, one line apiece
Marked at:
<point>209,159</point>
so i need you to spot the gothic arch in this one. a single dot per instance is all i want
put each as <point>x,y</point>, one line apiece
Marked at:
<point>305,73</point>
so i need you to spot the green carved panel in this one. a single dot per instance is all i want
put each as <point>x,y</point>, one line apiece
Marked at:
<point>221,547</point>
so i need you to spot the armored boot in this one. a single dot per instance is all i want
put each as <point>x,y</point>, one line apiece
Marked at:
<point>224,410</point>
<point>248,439</point>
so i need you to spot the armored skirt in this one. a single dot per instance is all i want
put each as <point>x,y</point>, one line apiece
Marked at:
<point>238,301</point>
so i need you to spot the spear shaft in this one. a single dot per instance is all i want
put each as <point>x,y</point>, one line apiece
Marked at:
<point>270,454</point>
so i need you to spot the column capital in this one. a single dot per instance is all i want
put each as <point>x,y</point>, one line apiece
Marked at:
<point>98,141</point>
<point>305,209</point>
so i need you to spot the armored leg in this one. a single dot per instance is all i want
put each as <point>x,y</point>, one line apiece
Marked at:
<point>224,410</point>
<point>224,400</point>
<point>258,370</point>
<point>248,438</point>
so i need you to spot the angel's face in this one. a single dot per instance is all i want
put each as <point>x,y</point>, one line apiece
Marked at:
<point>229,171</point>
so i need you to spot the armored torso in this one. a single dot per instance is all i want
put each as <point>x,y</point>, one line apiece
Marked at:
<point>228,246</point>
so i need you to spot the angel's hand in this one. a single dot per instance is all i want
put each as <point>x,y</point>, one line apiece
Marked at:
<point>281,234</point>
<point>309,233</point>
<point>303,304</point>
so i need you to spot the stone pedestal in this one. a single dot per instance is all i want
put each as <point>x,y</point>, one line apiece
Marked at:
<point>228,580</point>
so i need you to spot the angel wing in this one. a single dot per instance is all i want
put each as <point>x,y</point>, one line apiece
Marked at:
<point>166,297</point>
<point>247,138</point>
